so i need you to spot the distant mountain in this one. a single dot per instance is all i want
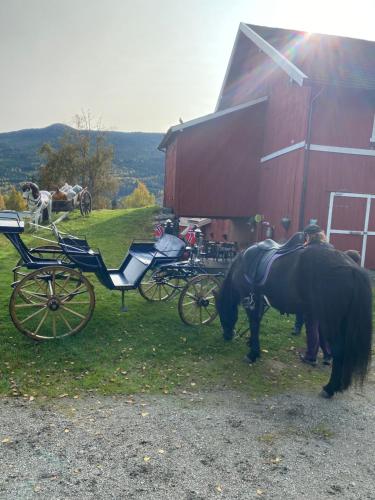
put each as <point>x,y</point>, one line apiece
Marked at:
<point>135,156</point>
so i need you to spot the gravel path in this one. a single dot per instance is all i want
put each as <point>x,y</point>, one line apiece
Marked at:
<point>190,447</point>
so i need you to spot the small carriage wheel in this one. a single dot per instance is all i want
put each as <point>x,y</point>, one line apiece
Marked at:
<point>63,301</point>
<point>157,286</point>
<point>196,305</point>
<point>46,251</point>
<point>85,203</point>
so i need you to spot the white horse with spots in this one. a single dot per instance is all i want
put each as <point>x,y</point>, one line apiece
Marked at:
<point>39,203</point>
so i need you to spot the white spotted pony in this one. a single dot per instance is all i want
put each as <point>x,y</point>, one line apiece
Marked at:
<point>39,203</point>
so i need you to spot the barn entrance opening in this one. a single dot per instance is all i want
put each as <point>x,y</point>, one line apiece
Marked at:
<point>351,224</point>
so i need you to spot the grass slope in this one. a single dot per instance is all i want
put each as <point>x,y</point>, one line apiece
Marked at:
<point>147,349</point>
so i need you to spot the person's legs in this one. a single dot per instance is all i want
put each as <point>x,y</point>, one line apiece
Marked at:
<point>298,324</point>
<point>312,340</point>
<point>327,355</point>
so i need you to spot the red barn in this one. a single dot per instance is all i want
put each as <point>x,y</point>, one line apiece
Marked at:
<point>292,140</point>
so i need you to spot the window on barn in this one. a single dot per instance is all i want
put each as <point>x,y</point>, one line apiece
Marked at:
<point>372,138</point>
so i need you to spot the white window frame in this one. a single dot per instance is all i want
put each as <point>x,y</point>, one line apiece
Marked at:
<point>372,138</point>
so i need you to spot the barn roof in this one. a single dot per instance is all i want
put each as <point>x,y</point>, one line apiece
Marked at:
<point>325,59</point>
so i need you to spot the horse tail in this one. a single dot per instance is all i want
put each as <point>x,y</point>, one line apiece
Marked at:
<point>357,330</point>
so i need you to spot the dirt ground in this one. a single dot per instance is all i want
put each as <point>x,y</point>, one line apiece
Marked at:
<point>192,446</point>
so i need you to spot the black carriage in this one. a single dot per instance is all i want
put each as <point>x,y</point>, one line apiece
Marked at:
<point>53,298</point>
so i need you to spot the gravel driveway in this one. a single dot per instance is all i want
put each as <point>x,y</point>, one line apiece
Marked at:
<point>192,446</point>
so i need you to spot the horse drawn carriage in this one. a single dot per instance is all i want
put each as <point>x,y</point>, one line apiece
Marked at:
<point>53,298</point>
<point>41,203</point>
<point>68,198</point>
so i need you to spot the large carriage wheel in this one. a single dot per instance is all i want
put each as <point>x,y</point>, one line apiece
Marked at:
<point>196,305</point>
<point>85,203</point>
<point>157,286</point>
<point>52,302</point>
<point>53,252</point>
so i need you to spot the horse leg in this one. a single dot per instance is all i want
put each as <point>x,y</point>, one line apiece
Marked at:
<point>334,384</point>
<point>49,209</point>
<point>254,315</point>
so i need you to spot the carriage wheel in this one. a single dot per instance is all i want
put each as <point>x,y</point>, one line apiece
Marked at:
<point>157,286</point>
<point>60,303</point>
<point>44,252</point>
<point>85,203</point>
<point>196,305</point>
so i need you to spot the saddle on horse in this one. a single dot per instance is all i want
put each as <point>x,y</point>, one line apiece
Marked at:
<point>259,257</point>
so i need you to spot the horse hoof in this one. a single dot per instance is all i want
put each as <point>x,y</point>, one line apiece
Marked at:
<point>324,394</point>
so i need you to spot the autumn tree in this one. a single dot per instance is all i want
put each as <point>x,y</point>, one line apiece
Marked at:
<point>2,202</point>
<point>140,197</point>
<point>83,157</point>
<point>14,200</point>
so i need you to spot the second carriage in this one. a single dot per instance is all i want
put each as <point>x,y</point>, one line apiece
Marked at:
<point>69,198</point>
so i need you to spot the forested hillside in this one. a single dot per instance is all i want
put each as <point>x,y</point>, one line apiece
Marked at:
<point>135,156</point>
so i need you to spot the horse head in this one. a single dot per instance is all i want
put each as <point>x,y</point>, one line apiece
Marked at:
<point>30,187</point>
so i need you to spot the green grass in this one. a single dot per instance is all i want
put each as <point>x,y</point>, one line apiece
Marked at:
<point>145,350</point>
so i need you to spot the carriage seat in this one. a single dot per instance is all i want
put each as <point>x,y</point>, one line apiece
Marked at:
<point>132,270</point>
<point>259,257</point>
<point>169,247</point>
<point>10,222</point>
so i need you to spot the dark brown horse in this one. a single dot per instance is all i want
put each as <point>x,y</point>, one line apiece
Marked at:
<point>315,280</point>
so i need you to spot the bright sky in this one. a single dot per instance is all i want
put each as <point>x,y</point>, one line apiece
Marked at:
<point>140,65</point>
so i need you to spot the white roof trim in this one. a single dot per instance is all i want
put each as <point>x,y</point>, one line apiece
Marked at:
<point>212,116</point>
<point>206,118</point>
<point>342,150</point>
<point>295,73</point>
<point>283,151</point>
<point>372,138</point>
<point>228,69</point>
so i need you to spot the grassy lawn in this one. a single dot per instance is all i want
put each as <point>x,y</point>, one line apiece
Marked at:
<point>148,349</point>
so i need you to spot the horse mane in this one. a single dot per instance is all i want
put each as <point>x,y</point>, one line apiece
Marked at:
<point>34,188</point>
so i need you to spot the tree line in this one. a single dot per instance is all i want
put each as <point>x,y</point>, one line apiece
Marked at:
<point>82,157</point>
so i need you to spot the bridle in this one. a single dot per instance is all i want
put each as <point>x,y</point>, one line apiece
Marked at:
<point>31,200</point>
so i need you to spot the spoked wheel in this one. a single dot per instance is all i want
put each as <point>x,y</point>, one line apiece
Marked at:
<point>52,252</point>
<point>196,305</point>
<point>157,286</point>
<point>85,203</point>
<point>52,302</point>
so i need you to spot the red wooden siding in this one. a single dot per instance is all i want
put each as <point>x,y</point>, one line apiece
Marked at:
<point>286,118</point>
<point>343,118</point>
<point>170,175</point>
<point>218,165</point>
<point>280,191</point>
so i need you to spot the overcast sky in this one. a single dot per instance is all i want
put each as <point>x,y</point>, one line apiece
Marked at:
<point>138,64</point>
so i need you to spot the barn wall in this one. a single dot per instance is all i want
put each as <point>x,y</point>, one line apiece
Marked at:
<point>336,172</point>
<point>218,165</point>
<point>287,114</point>
<point>281,177</point>
<point>343,118</point>
<point>280,191</point>
<point>170,175</point>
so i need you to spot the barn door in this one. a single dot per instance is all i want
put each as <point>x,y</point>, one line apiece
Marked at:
<point>351,224</point>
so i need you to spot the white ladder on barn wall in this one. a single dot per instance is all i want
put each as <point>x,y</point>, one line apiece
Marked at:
<point>364,233</point>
